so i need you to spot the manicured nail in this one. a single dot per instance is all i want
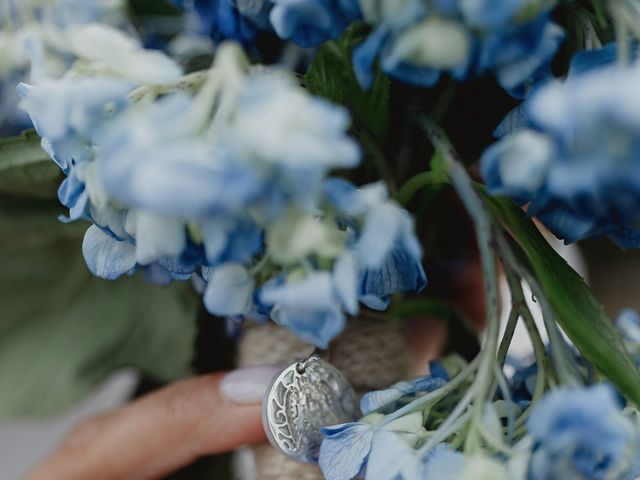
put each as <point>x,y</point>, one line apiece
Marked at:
<point>248,385</point>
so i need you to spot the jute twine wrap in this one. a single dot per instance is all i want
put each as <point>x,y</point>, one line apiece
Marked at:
<point>372,355</point>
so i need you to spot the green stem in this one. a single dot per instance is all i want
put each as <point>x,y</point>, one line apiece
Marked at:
<point>436,395</point>
<point>476,209</point>
<point>506,394</point>
<point>190,82</point>
<point>452,423</point>
<point>561,353</point>
<point>519,302</point>
<point>415,184</point>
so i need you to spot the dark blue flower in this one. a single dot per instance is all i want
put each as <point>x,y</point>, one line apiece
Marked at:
<point>416,44</point>
<point>575,157</point>
<point>310,22</point>
<point>227,19</point>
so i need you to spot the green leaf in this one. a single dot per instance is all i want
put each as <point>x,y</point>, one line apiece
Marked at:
<point>577,310</point>
<point>63,330</point>
<point>331,76</point>
<point>25,168</point>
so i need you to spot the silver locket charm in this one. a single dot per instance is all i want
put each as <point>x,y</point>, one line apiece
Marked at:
<point>303,398</point>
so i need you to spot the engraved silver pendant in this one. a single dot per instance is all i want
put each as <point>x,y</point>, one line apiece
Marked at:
<point>303,398</point>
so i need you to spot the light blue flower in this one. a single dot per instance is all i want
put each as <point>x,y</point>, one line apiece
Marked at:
<point>66,113</point>
<point>382,399</point>
<point>382,238</point>
<point>443,464</point>
<point>230,239</point>
<point>518,165</point>
<point>36,47</point>
<point>143,164</point>
<point>575,159</point>
<point>579,433</point>
<point>381,452</point>
<point>107,257</point>
<point>229,290</point>
<point>310,22</point>
<point>310,307</point>
<point>489,14</point>
<point>393,459</point>
<point>345,449</point>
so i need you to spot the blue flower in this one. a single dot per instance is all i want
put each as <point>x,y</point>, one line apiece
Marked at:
<point>310,307</point>
<point>489,14</point>
<point>383,451</point>
<point>67,113</point>
<point>345,449</point>
<point>443,464</point>
<point>36,46</point>
<point>310,22</point>
<point>229,290</point>
<point>466,39</point>
<point>520,55</point>
<point>575,158</point>
<point>523,384</point>
<point>382,238</point>
<point>579,433</point>
<point>628,323</point>
<point>107,257</point>
<point>226,19</point>
<point>381,399</point>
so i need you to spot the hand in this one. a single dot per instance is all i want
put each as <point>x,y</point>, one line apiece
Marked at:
<point>172,427</point>
<point>164,430</point>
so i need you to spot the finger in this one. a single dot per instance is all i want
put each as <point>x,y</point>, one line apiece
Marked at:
<point>164,430</point>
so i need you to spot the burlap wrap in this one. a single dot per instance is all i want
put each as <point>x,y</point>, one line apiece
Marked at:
<point>371,354</point>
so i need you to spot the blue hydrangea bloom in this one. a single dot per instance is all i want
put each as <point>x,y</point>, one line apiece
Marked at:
<point>310,307</point>
<point>416,44</point>
<point>381,399</point>
<point>345,449</point>
<point>443,464</point>
<point>67,115</point>
<point>384,243</point>
<point>310,22</point>
<point>107,257</point>
<point>229,290</point>
<point>380,452</point>
<point>391,458</point>
<point>239,20</point>
<point>196,183</point>
<point>579,433</point>
<point>36,49</point>
<point>574,160</point>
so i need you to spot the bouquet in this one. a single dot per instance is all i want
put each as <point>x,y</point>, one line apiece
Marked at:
<point>291,162</point>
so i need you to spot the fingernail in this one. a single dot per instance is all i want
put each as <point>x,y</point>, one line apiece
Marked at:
<point>247,385</point>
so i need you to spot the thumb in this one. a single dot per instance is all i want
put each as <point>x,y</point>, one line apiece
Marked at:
<point>164,430</point>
